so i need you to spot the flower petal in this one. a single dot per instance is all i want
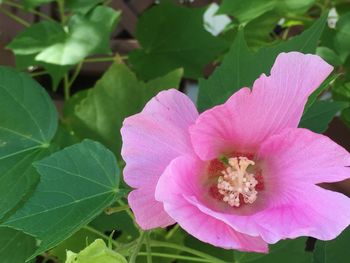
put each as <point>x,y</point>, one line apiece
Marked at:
<point>249,117</point>
<point>301,156</point>
<point>148,217</point>
<point>151,139</point>
<point>293,162</point>
<point>176,184</point>
<point>310,211</point>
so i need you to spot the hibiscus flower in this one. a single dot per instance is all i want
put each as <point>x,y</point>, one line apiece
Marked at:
<point>240,175</point>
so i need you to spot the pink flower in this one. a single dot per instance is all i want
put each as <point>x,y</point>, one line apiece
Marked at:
<point>241,174</point>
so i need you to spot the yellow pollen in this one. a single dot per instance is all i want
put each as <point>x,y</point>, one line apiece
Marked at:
<point>236,181</point>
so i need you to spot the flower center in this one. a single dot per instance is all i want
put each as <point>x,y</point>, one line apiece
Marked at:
<point>236,184</point>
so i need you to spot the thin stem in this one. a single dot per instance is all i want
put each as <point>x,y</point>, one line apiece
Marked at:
<point>33,11</point>
<point>212,259</point>
<point>66,87</point>
<point>174,256</point>
<point>172,232</point>
<point>94,60</point>
<point>39,73</point>
<point>15,18</point>
<point>61,11</point>
<point>113,210</point>
<point>75,74</point>
<point>103,59</point>
<point>148,248</point>
<point>137,248</point>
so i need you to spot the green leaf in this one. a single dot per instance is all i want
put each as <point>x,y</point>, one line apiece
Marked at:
<point>37,37</point>
<point>34,3</point>
<point>87,35</point>
<point>240,68</point>
<point>116,95</point>
<point>329,55</point>
<point>342,37</point>
<point>333,251</point>
<point>27,124</point>
<point>95,252</point>
<point>81,6</point>
<point>76,184</point>
<point>320,114</point>
<point>76,242</point>
<point>173,37</point>
<point>15,246</point>
<point>286,251</point>
<point>246,10</point>
<point>325,84</point>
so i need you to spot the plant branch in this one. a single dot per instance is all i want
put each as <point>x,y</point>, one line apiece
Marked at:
<point>35,12</point>
<point>14,17</point>
<point>174,256</point>
<point>203,255</point>
<point>137,247</point>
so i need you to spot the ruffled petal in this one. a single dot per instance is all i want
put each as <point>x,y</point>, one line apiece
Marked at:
<point>293,162</point>
<point>151,139</point>
<point>176,185</point>
<point>307,211</point>
<point>300,156</point>
<point>249,117</point>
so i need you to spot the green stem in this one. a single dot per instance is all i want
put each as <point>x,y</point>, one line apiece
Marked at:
<point>148,248</point>
<point>212,259</point>
<point>113,210</point>
<point>15,18</point>
<point>66,87</point>
<point>138,247</point>
<point>174,256</point>
<point>75,74</point>
<point>39,73</point>
<point>172,232</point>
<point>94,60</point>
<point>35,12</point>
<point>61,11</point>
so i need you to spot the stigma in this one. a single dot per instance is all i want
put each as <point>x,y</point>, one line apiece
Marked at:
<point>236,184</point>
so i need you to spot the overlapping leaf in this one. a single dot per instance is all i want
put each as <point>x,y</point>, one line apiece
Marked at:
<point>99,112</point>
<point>27,124</point>
<point>240,68</point>
<point>172,37</point>
<point>76,184</point>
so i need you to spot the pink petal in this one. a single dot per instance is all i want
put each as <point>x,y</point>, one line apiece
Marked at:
<point>293,162</point>
<point>176,185</point>
<point>140,200</point>
<point>151,140</point>
<point>249,117</point>
<point>307,211</point>
<point>301,156</point>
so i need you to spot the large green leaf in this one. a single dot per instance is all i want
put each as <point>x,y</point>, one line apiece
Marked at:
<point>247,10</point>
<point>27,124</point>
<point>87,35</point>
<point>333,251</point>
<point>240,68</point>
<point>37,37</point>
<point>76,184</point>
<point>81,6</point>
<point>172,37</point>
<point>15,246</point>
<point>342,37</point>
<point>320,114</point>
<point>99,113</point>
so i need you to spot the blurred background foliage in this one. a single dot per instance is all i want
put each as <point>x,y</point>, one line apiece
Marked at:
<point>102,60</point>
